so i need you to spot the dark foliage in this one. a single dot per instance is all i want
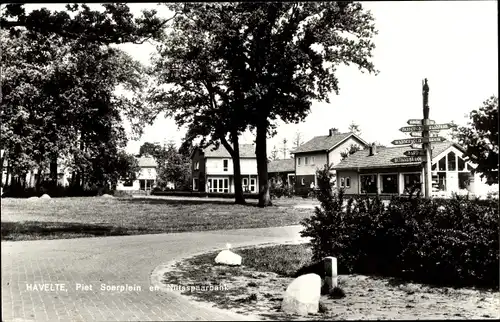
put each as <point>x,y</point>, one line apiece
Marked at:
<point>443,241</point>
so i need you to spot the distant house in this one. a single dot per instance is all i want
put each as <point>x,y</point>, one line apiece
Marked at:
<point>146,179</point>
<point>371,171</point>
<point>282,171</point>
<point>212,170</point>
<point>317,152</point>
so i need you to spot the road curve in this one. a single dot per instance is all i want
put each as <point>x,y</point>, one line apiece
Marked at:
<point>113,275</point>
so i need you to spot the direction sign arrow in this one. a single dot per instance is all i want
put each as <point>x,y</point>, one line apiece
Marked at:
<point>418,140</point>
<point>414,153</point>
<point>419,128</point>
<point>419,146</point>
<point>407,159</point>
<point>419,134</point>
<point>418,122</point>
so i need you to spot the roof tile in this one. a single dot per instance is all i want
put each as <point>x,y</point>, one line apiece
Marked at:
<point>246,151</point>
<point>286,165</point>
<point>321,143</point>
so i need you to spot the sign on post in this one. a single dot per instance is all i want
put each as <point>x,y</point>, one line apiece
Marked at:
<point>418,140</point>
<point>414,153</point>
<point>418,122</point>
<point>420,128</point>
<point>407,159</point>
<point>420,134</point>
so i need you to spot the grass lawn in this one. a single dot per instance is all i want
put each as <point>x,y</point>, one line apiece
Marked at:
<point>257,288</point>
<point>55,218</point>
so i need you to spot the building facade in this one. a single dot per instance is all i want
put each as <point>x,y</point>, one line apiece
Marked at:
<point>282,172</point>
<point>212,169</point>
<point>317,152</point>
<point>373,172</point>
<point>146,178</point>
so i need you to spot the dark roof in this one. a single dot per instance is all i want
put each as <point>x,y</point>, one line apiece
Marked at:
<point>324,142</point>
<point>287,165</point>
<point>246,151</point>
<point>382,159</point>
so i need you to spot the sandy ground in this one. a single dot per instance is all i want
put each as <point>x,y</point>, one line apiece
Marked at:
<point>367,298</point>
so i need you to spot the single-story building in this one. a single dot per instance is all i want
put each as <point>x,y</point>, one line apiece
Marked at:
<point>372,171</point>
<point>282,172</point>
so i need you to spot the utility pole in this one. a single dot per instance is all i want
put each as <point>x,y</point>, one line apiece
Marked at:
<point>426,144</point>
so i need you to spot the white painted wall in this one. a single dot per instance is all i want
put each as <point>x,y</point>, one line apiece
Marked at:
<point>334,155</point>
<point>310,169</point>
<point>215,166</point>
<point>147,173</point>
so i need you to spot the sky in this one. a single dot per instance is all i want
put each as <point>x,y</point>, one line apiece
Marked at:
<point>454,44</point>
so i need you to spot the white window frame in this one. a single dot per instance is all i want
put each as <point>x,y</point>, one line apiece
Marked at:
<point>342,182</point>
<point>197,165</point>
<point>225,164</point>
<point>196,186</point>
<point>347,182</point>
<point>253,185</point>
<point>312,160</point>
<point>302,182</point>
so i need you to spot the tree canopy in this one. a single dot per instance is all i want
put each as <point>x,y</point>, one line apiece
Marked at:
<point>480,139</point>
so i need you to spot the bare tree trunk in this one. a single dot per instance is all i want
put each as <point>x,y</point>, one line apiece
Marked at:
<point>53,170</point>
<point>261,153</point>
<point>235,155</point>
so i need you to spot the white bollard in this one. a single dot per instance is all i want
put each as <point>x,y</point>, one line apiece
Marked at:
<point>331,279</point>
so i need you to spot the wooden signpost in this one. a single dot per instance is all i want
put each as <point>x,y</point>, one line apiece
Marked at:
<point>423,132</point>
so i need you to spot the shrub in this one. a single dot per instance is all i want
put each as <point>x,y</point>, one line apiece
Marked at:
<point>278,191</point>
<point>441,241</point>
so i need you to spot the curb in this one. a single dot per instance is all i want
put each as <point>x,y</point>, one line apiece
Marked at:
<point>160,270</point>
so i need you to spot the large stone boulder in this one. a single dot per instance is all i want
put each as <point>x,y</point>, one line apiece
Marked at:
<point>45,196</point>
<point>302,295</point>
<point>32,198</point>
<point>227,257</point>
<point>106,196</point>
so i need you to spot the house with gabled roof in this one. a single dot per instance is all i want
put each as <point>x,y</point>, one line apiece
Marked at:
<point>212,169</point>
<point>146,178</point>
<point>321,150</point>
<point>372,171</point>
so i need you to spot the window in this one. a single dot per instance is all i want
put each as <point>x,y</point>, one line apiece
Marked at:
<point>225,164</point>
<point>368,183</point>
<point>306,160</point>
<point>442,164</point>
<point>434,166</point>
<point>128,183</point>
<point>312,160</point>
<point>412,183</point>
<point>298,161</point>
<point>464,180</point>
<point>195,184</point>
<point>348,182</point>
<point>245,184</point>
<point>302,182</point>
<point>441,185</point>
<point>461,164</point>
<point>196,165</point>
<point>226,185</point>
<point>452,162</point>
<point>252,184</point>
<point>342,182</point>
<point>389,183</point>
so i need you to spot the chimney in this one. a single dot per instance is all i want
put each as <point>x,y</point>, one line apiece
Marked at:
<point>332,131</point>
<point>373,149</point>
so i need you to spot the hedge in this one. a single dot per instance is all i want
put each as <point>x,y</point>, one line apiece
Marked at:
<point>201,194</point>
<point>452,242</point>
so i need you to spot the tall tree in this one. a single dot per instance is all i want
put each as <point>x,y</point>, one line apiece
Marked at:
<point>152,149</point>
<point>354,128</point>
<point>480,139</point>
<point>204,95</point>
<point>268,60</point>
<point>353,148</point>
<point>61,85</point>
<point>274,154</point>
<point>174,168</point>
<point>284,148</point>
<point>297,140</point>
<point>292,51</point>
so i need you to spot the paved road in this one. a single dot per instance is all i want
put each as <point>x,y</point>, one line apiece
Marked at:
<point>115,262</point>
